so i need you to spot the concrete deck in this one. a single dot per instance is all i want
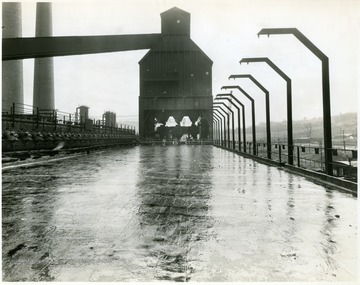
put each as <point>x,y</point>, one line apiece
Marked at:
<point>178,213</point>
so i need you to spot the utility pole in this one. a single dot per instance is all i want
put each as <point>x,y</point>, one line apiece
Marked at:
<point>325,87</point>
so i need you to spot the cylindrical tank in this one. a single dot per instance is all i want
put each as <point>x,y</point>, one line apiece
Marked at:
<point>44,97</point>
<point>12,70</point>
<point>82,114</point>
<point>110,119</point>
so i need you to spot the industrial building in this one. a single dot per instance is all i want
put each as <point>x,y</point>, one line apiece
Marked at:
<point>175,79</point>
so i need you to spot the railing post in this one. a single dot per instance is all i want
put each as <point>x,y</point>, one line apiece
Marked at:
<point>13,115</point>
<point>321,156</point>
<point>298,156</point>
<point>279,153</point>
<point>37,118</point>
<point>55,119</point>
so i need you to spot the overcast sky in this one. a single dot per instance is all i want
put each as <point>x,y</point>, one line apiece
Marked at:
<point>226,30</point>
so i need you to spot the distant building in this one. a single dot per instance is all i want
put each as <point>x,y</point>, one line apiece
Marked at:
<point>175,78</point>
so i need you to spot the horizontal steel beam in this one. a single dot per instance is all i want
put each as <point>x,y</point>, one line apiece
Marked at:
<point>269,62</point>
<point>298,35</point>
<point>22,48</point>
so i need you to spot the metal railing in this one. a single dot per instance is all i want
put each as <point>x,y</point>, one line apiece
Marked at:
<point>344,161</point>
<point>26,117</point>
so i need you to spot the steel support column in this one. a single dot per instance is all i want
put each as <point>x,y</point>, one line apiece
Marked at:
<point>267,108</point>
<point>289,99</point>
<point>219,127</point>
<point>243,115</point>
<point>218,108</point>
<point>252,111</point>
<point>219,130</point>
<point>225,96</point>
<point>325,88</point>
<point>232,121</point>
<point>215,129</point>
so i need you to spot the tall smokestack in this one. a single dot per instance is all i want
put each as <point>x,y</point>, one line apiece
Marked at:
<point>44,67</point>
<point>12,70</point>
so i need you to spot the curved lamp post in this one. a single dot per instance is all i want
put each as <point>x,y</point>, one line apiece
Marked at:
<point>325,87</point>
<point>214,122</point>
<point>218,108</point>
<point>243,116</point>
<point>215,130</point>
<point>222,119</point>
<point>289,104</point>
<point>219,130</point>
<point>252,111</point>
<point>226,96</point>
<point>232,118</point>
<point>218,134</point>
<point>232,121</point>
<point>267,107</point>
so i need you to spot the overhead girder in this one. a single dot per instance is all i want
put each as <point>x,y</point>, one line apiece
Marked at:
<point>22,48</point>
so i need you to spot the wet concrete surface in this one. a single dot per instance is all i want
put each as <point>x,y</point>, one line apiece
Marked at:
<point>175,213</point>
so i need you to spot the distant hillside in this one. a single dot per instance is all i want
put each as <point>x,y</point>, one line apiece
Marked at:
<point>343,126</point>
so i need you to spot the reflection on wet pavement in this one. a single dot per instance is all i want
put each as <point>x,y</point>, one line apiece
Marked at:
<point>178,213</point>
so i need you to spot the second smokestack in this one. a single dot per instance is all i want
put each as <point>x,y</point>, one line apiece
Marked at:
<point>44,97</point>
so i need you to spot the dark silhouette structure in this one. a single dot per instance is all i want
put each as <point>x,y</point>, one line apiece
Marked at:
<point>175,75</point>
<point>175,79</point>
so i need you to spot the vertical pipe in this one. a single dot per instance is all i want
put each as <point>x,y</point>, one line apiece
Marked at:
<point>233,130</point>
<point>327,116</point>
<point>216,130</point>
<point>228,126</point>
<point>217,135</point>
<point>55,119</point>
<point>221,133</point>
<point>279,153</point>
<point>268,132</point>
<point>253,125</point>
<point>224,132</point>
<point>220,117</point>
<point>244,128</point>
<point>13,115</point>
<point>37,118</point>
<point>239,129</point>
<point>320,150</point>
<point>298,156</point>
<point>289,123</point>
<point>214,134</point>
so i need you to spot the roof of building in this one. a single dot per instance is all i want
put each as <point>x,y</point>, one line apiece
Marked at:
<point>174,10</point>
<point>175,43</point>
